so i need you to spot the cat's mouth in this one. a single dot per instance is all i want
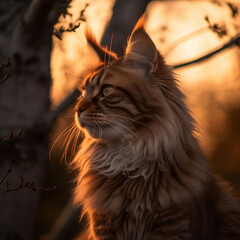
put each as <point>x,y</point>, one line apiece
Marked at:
<point>94,127</point>
<point>83,122</point>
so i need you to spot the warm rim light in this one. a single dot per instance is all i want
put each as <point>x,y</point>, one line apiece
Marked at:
<point>167,22</point>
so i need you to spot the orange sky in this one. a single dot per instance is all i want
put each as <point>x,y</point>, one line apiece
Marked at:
<point>167,22</point>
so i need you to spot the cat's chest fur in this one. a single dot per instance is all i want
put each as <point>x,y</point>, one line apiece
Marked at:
<point>142,175</point>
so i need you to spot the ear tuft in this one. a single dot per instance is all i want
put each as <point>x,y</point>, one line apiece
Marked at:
<point>103,54</point>
<point>140,47</point>
<point>140,23</point>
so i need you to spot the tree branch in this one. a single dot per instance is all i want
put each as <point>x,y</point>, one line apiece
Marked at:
<point>10,136</point>
<point>233,41</point>
<point>2,67</point>
<point>8,171</point>
<point>191,35</point>
<point>29,185</point>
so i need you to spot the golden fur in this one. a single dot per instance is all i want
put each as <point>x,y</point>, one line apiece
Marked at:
<point>141,173</point>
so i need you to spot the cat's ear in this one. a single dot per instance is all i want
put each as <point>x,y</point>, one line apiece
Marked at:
<point>140,48</point>
<point>103,54</point>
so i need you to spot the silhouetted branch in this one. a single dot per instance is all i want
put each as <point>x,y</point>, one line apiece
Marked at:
<point>233,41</point>
<point>8,171</point>
<point>191,35</point>
<point>220,30</point>
<point>10,136</point>
<point>2,67</point>
<point>23,184</point>
<point>5,78</point>
<point>9,64</point>
<point>59,32</point>
<point>72,26</point>
<point>63,6</point>
<point>234,9</point>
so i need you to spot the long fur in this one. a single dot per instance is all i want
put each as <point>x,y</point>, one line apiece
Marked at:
<point>154,182</point>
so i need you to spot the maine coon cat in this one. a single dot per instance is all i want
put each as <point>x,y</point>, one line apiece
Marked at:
<point>141,172</point>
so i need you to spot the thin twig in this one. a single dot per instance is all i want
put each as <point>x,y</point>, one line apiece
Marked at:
<point>58,32</point>
<point>8,171</point>
<point>233,41</point>
<point>9,64</point>
<point>2,67</point>
<point>29,185</point>
<point>5,78</point>
<point>11,136</point>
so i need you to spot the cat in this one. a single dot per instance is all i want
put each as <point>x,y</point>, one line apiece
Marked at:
<point>141,172</point>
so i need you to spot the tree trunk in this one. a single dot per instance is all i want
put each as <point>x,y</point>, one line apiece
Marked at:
<point>26,37</point>
<point>125,16</point>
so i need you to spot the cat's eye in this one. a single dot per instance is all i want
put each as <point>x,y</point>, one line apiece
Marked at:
<point>106,90</point>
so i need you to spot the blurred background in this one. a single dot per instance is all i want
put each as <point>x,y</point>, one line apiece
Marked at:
<point>182,31</point>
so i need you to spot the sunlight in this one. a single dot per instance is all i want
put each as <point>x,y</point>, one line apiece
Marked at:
<point>71,56</point>
<point>167,22</point>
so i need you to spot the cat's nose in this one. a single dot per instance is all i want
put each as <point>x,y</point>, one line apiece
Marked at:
<point>81,107</point>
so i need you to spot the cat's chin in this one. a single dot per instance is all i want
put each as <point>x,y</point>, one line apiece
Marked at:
<point>107,134</point>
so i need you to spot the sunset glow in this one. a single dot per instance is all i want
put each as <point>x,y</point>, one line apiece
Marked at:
<point>167,22</point>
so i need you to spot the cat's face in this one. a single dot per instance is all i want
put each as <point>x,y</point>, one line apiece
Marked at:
<point>121,96</point>
<point>113,103</point>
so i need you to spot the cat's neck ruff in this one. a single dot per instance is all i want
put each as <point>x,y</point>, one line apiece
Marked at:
<point>178,176</point>
<point>172,185</point>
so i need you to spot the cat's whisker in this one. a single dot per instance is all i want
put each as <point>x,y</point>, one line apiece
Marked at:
<point>75,142</point>
<point>123,126</point>
<point>62,134</point>
<point>129,119</point>
<point>68,140</point>
<point>115,127</point>
<point>109,57</point>
<point>99,129</point>
<point>125,120</point>
<point>155,174</point>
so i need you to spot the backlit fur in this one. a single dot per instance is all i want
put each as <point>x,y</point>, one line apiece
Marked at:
<point>141,173</point>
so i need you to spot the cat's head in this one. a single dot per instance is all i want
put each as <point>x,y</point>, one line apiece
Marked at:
<point>127,96</point>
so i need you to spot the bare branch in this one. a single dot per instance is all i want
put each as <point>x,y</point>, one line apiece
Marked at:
<point>9,64</point>
<point>234,9</point>
<point>5,78</point>
<point>233,41</point>
<point>29,185</point>
<point>191,35</point>
<point>63,7</point>
<point>8,171</point>
<point>58,32</point>
<point>10,136</point>
<point>218,29</point>
<point>2,67</point>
